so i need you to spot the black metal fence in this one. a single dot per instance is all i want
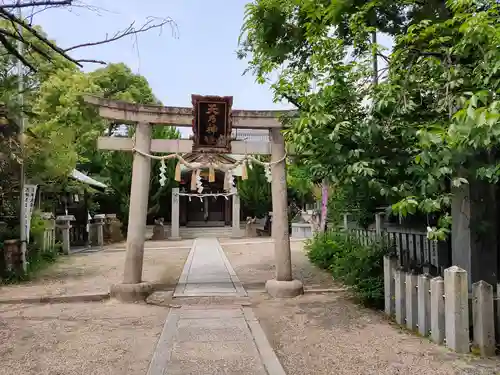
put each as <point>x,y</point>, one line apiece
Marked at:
<point>413,250</point>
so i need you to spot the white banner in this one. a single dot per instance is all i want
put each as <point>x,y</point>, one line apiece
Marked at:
<point>29,198</point>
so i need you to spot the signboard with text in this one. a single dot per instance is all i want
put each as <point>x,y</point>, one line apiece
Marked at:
<point>212,122</point>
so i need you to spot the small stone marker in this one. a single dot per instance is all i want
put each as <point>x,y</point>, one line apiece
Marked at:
<point>483,318</point>
<point>389,287</point>
<point>158,230</point>
<point>424,305</point>
<point>437,310</point>
<point>400,293</point>
<point>456,292</point>
<point>411,301</point>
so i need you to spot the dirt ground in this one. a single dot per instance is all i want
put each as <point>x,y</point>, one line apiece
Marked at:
<point>324,334</point>
<point>328,334</point>
<point>253,261</point>
<point>105,338</point>
<point>94,272</point>
<point>320,334</point>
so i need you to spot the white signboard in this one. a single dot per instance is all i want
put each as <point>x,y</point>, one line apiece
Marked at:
<point>29,197</point>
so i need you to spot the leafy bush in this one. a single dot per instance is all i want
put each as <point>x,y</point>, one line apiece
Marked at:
<point>324,248</point>
<point>357,265</point>
<point>37,228</point>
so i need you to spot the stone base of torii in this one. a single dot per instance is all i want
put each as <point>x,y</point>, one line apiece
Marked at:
<point>133,288</point>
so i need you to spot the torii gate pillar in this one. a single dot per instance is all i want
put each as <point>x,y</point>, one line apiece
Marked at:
<point>133,288</point>
<point>283,285</point>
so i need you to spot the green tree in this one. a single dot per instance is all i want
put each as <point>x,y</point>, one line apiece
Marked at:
<point>255,192</point>
<point>62,113</point>
<point>434,118</point>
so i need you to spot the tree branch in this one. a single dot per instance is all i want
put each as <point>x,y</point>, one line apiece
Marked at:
<point>384,57</point>
<point>13,51</point>
<point>293,101</point>
<point>37,4</point>
<point>92,61</point>
<point>9,16</point>
<point>8,37</point>
<point>130,30</point>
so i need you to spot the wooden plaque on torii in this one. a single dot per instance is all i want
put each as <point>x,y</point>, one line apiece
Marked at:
<point>212,123</point>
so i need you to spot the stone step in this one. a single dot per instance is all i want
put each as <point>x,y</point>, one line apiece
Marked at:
<point>197,232</point>
<point>212,300</point>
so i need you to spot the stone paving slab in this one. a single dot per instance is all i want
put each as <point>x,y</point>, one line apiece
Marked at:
<point>225,340</point>
<point>207,272</point>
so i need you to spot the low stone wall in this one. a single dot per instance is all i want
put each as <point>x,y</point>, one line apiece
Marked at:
<point>302,230</point>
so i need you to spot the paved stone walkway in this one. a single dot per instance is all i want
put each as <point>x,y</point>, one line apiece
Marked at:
<point>207,272</point>
<point>212,339</point>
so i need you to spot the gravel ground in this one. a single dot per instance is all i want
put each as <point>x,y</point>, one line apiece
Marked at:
<point>254,264</point>
<point>324,334</point>
<point>73,339</point>
<point>328,334</point>
<point>95,272</point>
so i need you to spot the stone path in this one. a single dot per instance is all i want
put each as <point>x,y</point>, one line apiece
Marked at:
<point>207,272</point>
<point>212,339</point>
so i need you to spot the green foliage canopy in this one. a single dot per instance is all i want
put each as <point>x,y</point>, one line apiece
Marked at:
<point>431,124</point>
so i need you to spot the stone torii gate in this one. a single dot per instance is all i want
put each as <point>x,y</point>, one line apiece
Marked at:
<point>146,116</point>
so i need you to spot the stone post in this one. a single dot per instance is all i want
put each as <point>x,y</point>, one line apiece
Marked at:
<point>411,301</point>
<point>174,227</point>
<point>250,227</point>
<point>497,305</point>
<point>400,296</point>
<point>158,230</point>
<point>114,228</point>
<point>64,224</point>
<point>378,223</point>
<point>483,318</point>
<point>474,247</point>
<point>456,309</point>
<point>48,235</point>
<point>437,310</point>
<point>236,230</point>
<point>99,226</point>
<point>12,256</point>
<point>283,285</point>
<point>132,287</point>
<point>424,305</point>
<point>346,221</point>
<point>389,292</point>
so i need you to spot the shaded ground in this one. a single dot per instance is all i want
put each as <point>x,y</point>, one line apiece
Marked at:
<point>254,264</point>
<point>95,272</point>
<point>104,338</point>
<point>326,334</point>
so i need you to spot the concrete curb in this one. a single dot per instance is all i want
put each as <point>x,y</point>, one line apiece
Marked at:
<point>93,297</point>
<point>266,352</point>
<point>328,290</point>
<point>307,290</point>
